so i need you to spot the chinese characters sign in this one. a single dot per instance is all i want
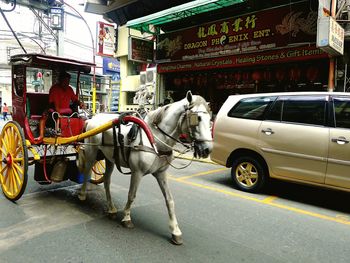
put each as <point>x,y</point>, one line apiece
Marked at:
<point>140,50</point>
<point>105,39</point>
<point>265,30</point>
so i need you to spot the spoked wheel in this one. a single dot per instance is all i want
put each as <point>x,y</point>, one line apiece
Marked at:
<point>98,171</point>
<point>14,161</point>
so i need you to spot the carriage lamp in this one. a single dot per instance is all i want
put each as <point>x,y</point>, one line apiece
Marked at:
<point>56,18</point>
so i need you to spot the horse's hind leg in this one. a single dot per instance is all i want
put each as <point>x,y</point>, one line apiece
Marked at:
<point>134,183</point>
<point>112,210</point>
<point>85,158</point>
<point>176,234</point>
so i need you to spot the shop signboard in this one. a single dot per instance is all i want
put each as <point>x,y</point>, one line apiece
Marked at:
<point>261,58</point>
<point>141,50</point>
<point>111,67</point>
<point>106,39</point>
<point>330,36</point>
<point>264,30</point>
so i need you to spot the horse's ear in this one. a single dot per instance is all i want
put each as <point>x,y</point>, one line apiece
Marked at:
<point>189,96</point>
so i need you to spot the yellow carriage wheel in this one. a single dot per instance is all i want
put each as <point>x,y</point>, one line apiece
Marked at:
<point>98,171</point>
<point>14,161</point>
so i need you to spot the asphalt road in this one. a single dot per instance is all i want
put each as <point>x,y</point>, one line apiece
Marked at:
<point>286,223</point>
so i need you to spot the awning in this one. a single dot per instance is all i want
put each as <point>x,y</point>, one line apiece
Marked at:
<point>179,12</point>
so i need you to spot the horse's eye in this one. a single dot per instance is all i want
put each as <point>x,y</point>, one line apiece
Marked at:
<point>199,118</point>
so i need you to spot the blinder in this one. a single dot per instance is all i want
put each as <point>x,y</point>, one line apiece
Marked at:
<point>193,119</point>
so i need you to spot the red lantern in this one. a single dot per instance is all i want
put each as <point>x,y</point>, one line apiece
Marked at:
<point>246,76</point>
<point>204,80</point>
<point>256,75</point>
<point>294,74</point>
<point>280,74</point>
<point>312,73</point>
<point>185,80</point>
<point>267,75</point>
<point>177,82</point>
<point>238,76</point>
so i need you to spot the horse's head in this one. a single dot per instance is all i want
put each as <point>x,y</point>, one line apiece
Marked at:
<point>197,126</point>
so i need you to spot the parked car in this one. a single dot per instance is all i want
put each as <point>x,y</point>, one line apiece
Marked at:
<point>301,137</point>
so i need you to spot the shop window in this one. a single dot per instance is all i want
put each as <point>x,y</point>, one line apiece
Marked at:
<point>134,68</point>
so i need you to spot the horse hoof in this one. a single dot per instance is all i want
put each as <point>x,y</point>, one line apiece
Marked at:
<point>176,240</point>
<point>128,224</point>
<point>112,215</point>
<point>82,197</point>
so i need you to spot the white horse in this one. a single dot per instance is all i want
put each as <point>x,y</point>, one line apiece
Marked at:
<point>188,116</point>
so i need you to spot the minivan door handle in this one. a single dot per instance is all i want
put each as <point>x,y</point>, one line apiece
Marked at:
<point>340,140</point>
<point>267,131</point>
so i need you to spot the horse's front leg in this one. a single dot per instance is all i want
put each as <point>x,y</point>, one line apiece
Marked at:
<point>134,183</point>
<point>112,210</point>
<point>176,234</point>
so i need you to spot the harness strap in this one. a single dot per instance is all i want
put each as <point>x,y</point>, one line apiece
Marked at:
<point>145,148</point>
<point>116,141</point>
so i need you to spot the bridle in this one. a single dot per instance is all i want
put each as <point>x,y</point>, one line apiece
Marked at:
<point>192,119</point>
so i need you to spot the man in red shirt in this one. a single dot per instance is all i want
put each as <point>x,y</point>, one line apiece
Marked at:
<point>60,96</point>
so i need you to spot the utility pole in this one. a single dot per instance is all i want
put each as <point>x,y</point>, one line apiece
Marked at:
<point>60,43</point>
<point>332,60</point>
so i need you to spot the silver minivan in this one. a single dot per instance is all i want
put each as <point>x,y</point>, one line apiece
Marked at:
<point>301,137</point>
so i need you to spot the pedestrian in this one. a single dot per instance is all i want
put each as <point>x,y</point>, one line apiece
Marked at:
<point>5,110</point>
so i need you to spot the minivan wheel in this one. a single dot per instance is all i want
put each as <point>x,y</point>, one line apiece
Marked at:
<point>248,173</point>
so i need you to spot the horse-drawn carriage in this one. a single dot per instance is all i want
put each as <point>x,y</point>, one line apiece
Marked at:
<point>55,157</point>
<point>106,139</point>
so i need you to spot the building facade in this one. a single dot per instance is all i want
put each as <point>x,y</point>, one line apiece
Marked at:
<point>271,50</point>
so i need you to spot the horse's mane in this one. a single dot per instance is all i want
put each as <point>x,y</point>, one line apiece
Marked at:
<point>157,115</point>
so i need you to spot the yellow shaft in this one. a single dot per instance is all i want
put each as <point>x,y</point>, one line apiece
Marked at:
<point>80,137</point>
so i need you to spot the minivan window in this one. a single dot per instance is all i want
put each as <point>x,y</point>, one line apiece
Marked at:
<point>299,109</point>
<point>251,108</point>
<point>342,112</point>
<point>275,113</point>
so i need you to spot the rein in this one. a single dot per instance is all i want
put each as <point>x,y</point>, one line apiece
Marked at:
<point>171,137</point>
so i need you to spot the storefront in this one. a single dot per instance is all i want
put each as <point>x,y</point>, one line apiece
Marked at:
<point>267,51</point>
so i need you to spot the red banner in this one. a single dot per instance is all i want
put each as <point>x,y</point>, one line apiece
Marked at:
<point>265,30</point>
<point>261,58</point>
